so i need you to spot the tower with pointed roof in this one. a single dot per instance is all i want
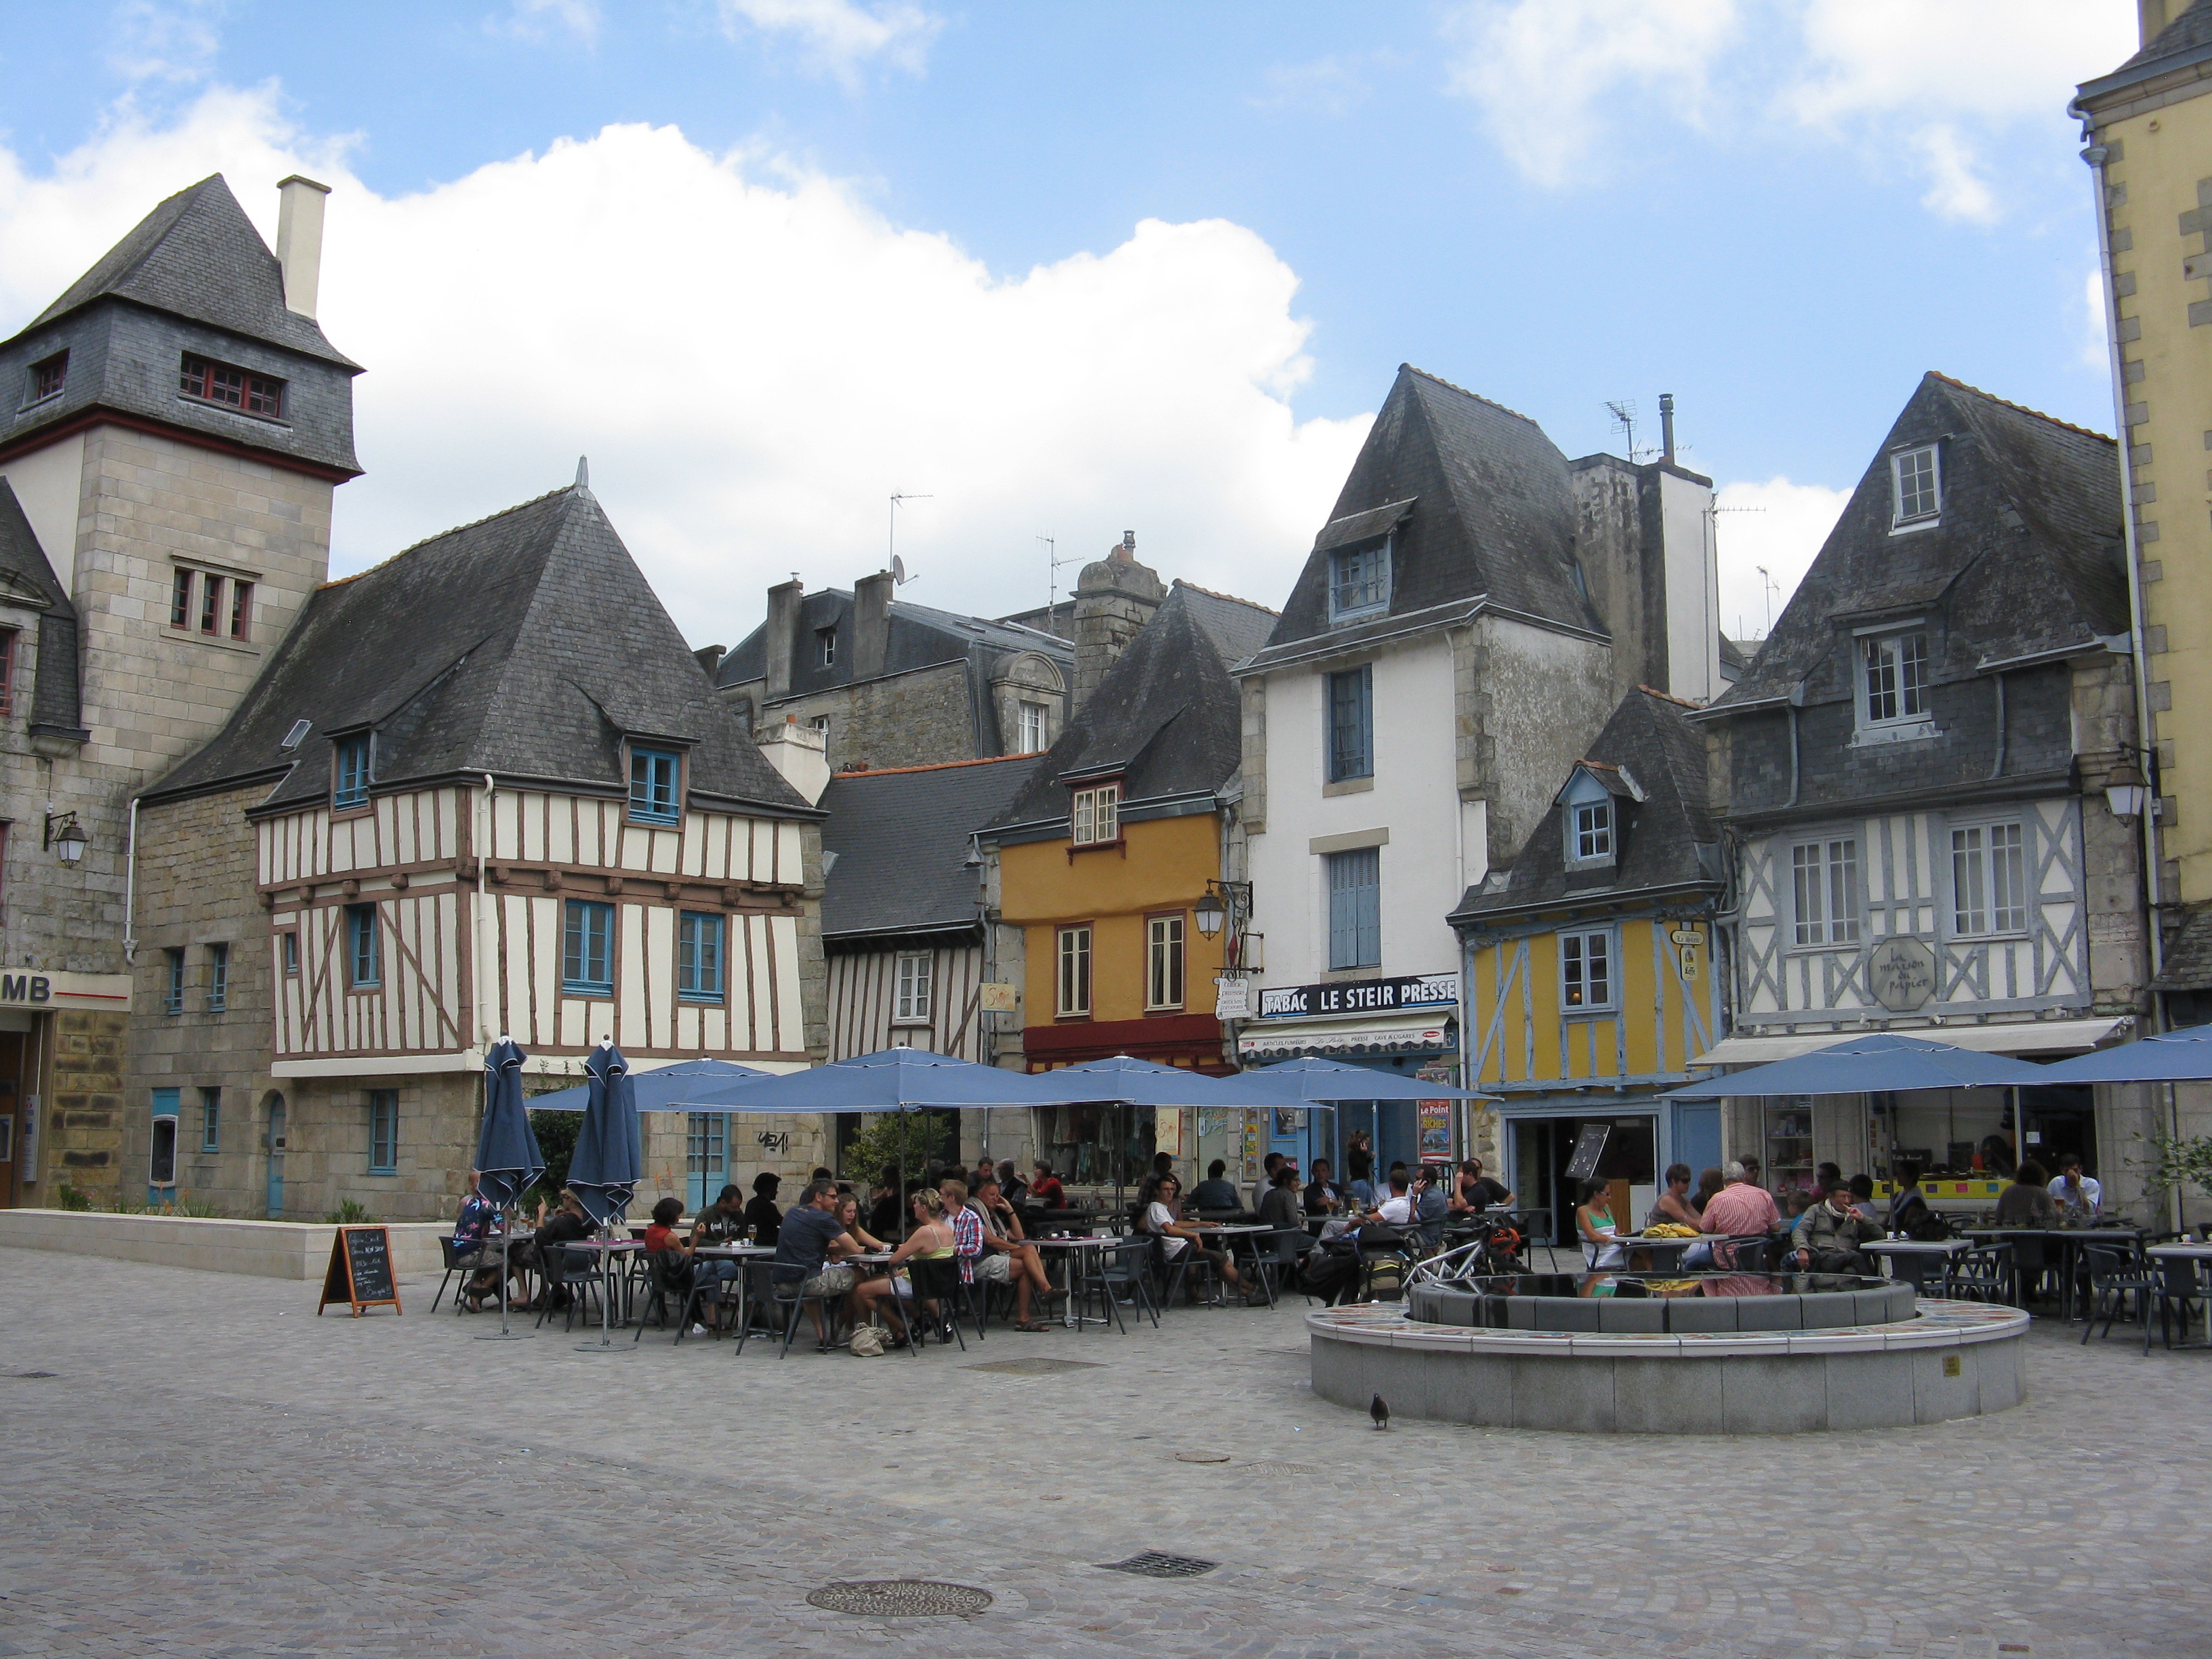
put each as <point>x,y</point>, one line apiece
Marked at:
<point>174,427</point>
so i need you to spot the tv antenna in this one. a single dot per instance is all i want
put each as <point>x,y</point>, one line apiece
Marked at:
<point>1770,587</point>
<point>1624,420</point>
<point>1053,563</point>
<point>899,577</point>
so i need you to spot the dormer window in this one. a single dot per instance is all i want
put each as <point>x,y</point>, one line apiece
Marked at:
<point>1095,815</point>
<point>827,639</point>
<point>1359,581</point>
<point>48,375</point>
<point>1589,818</point>
<point>1593,840</point>
<point>1893,681</point>
<point>235,388</point>
<point>349,771</point>
<point>1916,484</point>
<point>653,786</point>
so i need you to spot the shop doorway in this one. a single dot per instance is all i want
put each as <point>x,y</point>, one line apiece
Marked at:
<point>2059,1121</point>
<point>1543,1147</point>
<point>11,1099</point>
<point>272,1141</point>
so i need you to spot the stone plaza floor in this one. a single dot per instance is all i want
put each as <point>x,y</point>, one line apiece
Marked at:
<point>197,1465</point>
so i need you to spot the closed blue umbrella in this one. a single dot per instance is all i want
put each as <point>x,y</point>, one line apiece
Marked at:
<point>2183,1056</point>
<point>507,1159</point>
<point>1880,1062</point>
<point>610,1157</point>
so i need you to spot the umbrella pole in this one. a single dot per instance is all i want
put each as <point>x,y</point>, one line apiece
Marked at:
<point>503,1334</point>
<point>606,1342</point>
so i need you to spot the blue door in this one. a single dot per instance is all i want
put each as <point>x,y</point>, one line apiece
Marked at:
<point>1696,1138</point>
<point>705,1158</point>
<point>273,1142</point>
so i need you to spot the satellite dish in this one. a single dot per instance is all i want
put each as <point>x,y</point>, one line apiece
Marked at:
<point>899,577</point>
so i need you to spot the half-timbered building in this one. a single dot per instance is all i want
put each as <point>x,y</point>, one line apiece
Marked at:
<point>1912,772</point>
<point>482,789</point>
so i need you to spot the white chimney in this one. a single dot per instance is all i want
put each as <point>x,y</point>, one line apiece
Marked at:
<point>800,753</point>
<point>299,241</point>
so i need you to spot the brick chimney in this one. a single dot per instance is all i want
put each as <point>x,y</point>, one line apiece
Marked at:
<point>1114,597</point>
<point>300,241</point>
<point>782,637</point>
<point>872,624</point>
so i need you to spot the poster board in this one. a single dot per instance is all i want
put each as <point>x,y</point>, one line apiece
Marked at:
<point>359,1273</point>
<point>1589,1149</point>
<point>1434,1120</point>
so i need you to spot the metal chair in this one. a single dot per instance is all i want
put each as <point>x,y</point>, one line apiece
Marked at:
<point>784,1293</point>
<point>937,1281</point>
<point>1277,1255</point>
<point>2114,1276</point>
<point>1746,1253</point>
<point>575,1271</point>
<point>1983,1274</point>
<point>1123,1265</point>
<point>454,1267</point>
<point>2182,1295</point>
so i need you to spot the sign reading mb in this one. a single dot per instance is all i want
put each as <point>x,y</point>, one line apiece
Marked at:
<point>1360,996</point>
<point>26,988</point>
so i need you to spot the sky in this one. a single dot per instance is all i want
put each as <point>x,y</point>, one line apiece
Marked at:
<point>1056,272</point>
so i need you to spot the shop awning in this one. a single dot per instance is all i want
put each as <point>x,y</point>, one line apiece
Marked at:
<point>2026,1038</point>
<point>1414,1034</point>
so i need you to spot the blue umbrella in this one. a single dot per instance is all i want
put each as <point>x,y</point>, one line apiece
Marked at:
<point>889,1081</point>
<point>2183,1056</point>
<point>664,1089</point>
<point>1880,1062</point>
<point>1128,1081</point>
<point>610,1157</point>
<point>1312,1078</point>
<point>507,1159</point>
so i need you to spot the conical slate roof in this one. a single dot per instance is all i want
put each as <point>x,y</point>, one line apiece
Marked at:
<point>199,257</point>
<point>27,580</point>
<point>528,645</point>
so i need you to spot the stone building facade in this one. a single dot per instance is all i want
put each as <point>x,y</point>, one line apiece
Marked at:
<point>176,426</point>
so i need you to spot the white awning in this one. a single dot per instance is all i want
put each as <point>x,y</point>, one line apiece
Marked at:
<point>2039,1037</point>
<point>1409,1034</point>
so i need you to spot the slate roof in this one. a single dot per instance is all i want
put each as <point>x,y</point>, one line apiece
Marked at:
<point>900,840</point>
<point>1236,627</point>
<point>2191,32</point>
<point>2186,964</point>
<point>1166,714</point>
<point>527,645</point>
<point>198,256</point>
<point>1668,839</point>
<point>918,637</point>
<point>1491,514</point>
<point>26,578</point>
<point>2027,558</point>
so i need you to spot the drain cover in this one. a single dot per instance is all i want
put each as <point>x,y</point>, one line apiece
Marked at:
<point>1280,1468</point>
<point>899,1598</point>
<point>1151,1564</point>
<point>29,1375</point>
<point>1202,1457</point>
<point>1034,1366</point>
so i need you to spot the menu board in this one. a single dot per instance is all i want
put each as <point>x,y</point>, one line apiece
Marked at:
<point>360,1271</point>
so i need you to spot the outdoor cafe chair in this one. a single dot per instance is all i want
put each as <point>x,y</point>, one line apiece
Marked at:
<point>1122,1266</point>
<point>2115,1275</point>
<point>576,1273</point>
<point>453,1268</point>
<point>1983,1274</point>
<point>2182,1294</point>
<point>784,1297</point>
<point>937,1282</point>
<point>1745,1253</point>
<point>1277,1257</point>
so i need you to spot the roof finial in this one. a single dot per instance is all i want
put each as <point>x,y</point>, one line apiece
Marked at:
<point>583,472</point>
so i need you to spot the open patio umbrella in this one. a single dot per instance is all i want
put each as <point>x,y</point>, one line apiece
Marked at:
<point>609,1159</point>
<point>664,1089</point>
<point>507,1159</point>
<point>2183,1056</point>
<point>1880,1062</point>
<point>1314,1079</point>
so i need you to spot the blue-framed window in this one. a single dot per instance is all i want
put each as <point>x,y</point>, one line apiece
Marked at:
<point>350,772</point>
<point>218,978</point>
<point>383,1132</point>
<point>699,956</point>
<point>1355,908</point>
<point>652,794</point>
<point>364,952</point>
<point>587,949</point>
<point>1359,581</point>
<point>706,1157</point>
<point>173,984</point>
<point>1352,723</point>
<point>211,1120</point>
<point>1586,979</point>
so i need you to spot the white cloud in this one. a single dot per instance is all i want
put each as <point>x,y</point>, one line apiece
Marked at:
<point>1997,59</point>
<point>1956,189</point>
<point>1767,537</point>
<point>540,20</point>
<point>840,35</point>
<point>1548,73</point>
<point>753,368</point>
<point>173,40</point>
<point>1329,86</point>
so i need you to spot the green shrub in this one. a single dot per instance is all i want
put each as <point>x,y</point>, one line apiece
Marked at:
<point>350,1212</point>
<point>73,1199</point>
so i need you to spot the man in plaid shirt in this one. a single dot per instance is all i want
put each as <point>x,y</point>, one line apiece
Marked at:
<point>967,1228</point>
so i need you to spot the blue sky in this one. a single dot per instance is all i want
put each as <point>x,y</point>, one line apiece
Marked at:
<point>1780,210</point>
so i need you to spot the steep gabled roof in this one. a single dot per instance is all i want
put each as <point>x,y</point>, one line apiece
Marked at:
<point>527,645</point>
<point>1661,836</point>
<point>27,579</point>
<point>2027,558</point>
<point>198,256</point>
<point>1236,627</point>
<point>1479,503</point>
<point>900,841</point>
<point>917,636</point>
<point>1166,715</point>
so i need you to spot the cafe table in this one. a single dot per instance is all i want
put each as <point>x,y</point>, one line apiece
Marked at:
<point>2201,1255</point>
<point>1082,1250</point>
<point>609,1250</point>
<point>1666,1254</point>
<point>2070,1241</point>
<point>1912,1259</point>
<point>739,1252</point>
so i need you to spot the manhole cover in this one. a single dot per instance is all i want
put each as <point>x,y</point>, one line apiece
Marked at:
<point>30,1376</point>
<point>899,1598</point>
<point>1202,1457</point>
<point>1034,1366</point>
<point>1151,1564</point>
<point>1279,1468</point>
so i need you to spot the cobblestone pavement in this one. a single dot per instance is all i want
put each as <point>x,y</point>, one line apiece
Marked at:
<point>212,1470</point>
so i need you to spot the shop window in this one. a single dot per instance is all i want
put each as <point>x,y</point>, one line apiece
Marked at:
<point>211,1120</point>
<point>1355,908</point>
<point>1586,983</point>
<point>1352,723</point>
<point>364,954</point>
<point>913,991</point>
<point>1989,879</point>
<point>587,949</point>
<point>1825,886</point>
<point>653,786</point>
<point>1073,1001</point>
<point>699,935</point>
<point>383,1132</point>
<point>1163,962</point>
<point>1095,815</point>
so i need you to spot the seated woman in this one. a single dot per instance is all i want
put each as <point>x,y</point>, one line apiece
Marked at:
<point>1594,1221</point>
<point>1281,1208</point>
<point>1162,1218</point>
<point>2026,1202</point>
<point>1045,1188</point>
<point>848,1214</point>
<point>476,1244</point>
<point>1674,1203</point>
<point>566,1225</point>
<point>931,1240</point>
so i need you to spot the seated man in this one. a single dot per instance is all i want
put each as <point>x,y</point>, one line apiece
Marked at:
<point>1827,1237</point>
<point>811,1242</point>
<point>1011,1184</point>
<point>1739,1210</point>
<point>2077,1196</point>
<point>1398,1208</point>
<point>1213,1193</point>
<point>1163,1220</point>
<point>565,1226</point>
<point>1322,1196</point>
<point>1430,1206</point>
<point>1475,1192</point>
<point>1006,1259</point>
<point>762,1215</point>
<point>723,1219</point>
<point>476,1243</point>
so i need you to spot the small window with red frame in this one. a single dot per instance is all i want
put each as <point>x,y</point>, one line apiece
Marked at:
<point>241,609</point>
<point>48,375</point>
<point>237,388</point>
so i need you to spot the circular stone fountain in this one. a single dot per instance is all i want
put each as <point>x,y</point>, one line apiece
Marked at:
<point>1651,1353</point>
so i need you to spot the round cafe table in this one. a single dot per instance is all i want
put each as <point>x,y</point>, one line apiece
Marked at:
<point>1917,1260</point>
<point>1082,1255</point>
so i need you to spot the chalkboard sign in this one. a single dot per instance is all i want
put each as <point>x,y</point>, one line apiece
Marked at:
<point>359,1273</point>
<point>1590,1148</point>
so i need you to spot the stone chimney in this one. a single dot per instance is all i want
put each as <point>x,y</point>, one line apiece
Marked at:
<point>299,241</point>
<point>872,624</point>
<point>1114,597</point>
<point>801,755</point>
<point>709,657</point>
<point>782,637</point>
<point>2152,16</point>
